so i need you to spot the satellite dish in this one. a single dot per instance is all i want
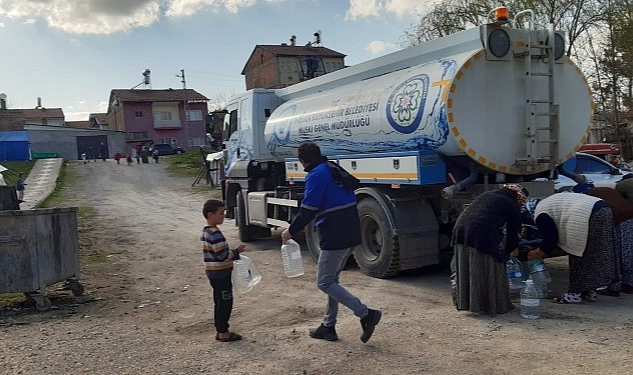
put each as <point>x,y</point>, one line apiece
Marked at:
<point>3,96</point>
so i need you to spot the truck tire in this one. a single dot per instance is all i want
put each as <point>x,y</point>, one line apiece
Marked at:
<point>312,240</point>
<point>378,255</point>
<point>245,231</point>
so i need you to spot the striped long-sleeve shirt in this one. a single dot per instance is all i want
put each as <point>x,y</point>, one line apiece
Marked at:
<point>218,258</point>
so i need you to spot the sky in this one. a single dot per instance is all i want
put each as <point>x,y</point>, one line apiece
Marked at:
<point>71,53</point>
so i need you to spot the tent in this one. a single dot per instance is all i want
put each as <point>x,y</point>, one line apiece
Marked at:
<point>2,169</point>
<point>14,146</point>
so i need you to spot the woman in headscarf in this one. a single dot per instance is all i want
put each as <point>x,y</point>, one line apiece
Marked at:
<point>583,227</point>
<point>623,245</point>
<point>483,237</point>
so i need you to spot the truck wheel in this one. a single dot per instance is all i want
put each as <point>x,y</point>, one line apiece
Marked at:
<point>378,255</point>
<point>245,231</point>
<point>312,240</point>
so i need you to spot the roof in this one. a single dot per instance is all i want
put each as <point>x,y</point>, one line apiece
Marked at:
<point>14,136</point>
<point>600,148</point>
<point>78,124</point>
<point>168,95</point>
<point>100,118</point>
<point>286,50</point>
<point>15,119</point>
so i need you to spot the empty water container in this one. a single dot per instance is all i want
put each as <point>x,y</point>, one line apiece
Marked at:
<point>245,275</point>
<point>291,257</point>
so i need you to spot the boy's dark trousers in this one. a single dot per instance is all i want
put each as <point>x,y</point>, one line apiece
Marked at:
<point>223,302</point>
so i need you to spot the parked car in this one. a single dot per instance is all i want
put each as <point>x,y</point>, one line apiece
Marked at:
<point>167,149</point>
<point>598,172</point>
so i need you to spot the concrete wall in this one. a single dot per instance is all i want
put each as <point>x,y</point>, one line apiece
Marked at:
<point>63,141</point>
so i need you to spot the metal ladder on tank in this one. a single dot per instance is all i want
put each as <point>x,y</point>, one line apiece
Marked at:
<point>538,133</point>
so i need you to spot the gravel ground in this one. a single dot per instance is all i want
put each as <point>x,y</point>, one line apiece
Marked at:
<point>147,305</point>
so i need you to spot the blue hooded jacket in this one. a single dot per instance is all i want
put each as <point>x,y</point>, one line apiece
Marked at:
<point>332,206</point>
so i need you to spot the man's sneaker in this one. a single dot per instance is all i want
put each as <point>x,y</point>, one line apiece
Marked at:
<point>369,324</point>
<point>324,333</point>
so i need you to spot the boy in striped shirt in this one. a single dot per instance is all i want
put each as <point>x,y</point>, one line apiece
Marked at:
<point>218,263</point>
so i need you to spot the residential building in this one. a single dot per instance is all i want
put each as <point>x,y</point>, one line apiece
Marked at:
<point>173,116</point>
<point>16,119</point>
<point>278,66</point>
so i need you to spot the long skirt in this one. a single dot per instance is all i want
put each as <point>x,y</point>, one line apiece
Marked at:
<point>597,266</point>
<point>479,282</point>
<point>626,251</point>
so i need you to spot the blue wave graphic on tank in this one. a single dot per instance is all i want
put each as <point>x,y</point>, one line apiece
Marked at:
<point>415,117</point>
<point>239,141</point>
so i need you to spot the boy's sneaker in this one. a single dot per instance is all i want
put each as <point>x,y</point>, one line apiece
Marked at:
<point>324,333</point>
<point>369,324</point>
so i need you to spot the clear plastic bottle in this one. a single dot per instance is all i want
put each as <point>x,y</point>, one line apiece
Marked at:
<point>291,257</point>
<point>530,302</point>
<point>515,274</point>
<point>541,276</point>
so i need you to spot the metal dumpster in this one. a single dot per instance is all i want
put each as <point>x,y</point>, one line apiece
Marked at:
<point>39,248</point>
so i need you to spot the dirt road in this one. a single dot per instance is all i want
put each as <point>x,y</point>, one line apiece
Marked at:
<point>147,306</point>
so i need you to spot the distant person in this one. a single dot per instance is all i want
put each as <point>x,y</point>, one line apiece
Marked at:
<point>616,161</point>
<point>333,208</point>
<point>218,261</point>
<point>138,156</point>
<point>83,157</point>
<point>485,235</point>
<point>103,151</point>
<point>118,156</point>
<point>155,155</point>
<point>128,158</point>
<point>19,187</point>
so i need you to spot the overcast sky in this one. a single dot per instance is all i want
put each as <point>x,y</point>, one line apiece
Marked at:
<point>71,53</point>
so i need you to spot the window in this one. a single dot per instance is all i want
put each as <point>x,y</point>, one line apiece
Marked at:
<point>138,114</point>
<point>230,125</point>
<point>162,116</point>
<point>195,115</point>
<point>136,136</point>
<point>168,140</point>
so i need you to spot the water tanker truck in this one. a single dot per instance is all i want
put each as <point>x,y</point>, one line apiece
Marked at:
<point>425,129</point>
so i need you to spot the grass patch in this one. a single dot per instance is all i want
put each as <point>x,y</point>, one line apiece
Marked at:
<point>9,298</point>
<point>14,169</point>
<point>187,164</point>
<point>93,258</point>
<point>65,178</point>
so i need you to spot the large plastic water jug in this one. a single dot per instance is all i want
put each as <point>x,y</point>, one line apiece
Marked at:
<point>530,302</point>
<point>541,276</point>
<point>245,275</point>
<point>291,257</point>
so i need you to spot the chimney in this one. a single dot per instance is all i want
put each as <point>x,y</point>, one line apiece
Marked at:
<point>3,101</point>
<point>293,40</point>
<point>39,103</point>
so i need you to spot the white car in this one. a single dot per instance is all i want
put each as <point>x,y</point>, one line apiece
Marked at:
<point>598,172</point>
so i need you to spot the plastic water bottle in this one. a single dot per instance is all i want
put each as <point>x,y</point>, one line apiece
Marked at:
<point>541,277</point>
<point>245,275</point>
<point>515,274</point>
<point>291,257</point>
<point>530,302</point>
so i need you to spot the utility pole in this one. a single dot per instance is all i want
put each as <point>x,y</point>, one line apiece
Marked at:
<point>186,106</point>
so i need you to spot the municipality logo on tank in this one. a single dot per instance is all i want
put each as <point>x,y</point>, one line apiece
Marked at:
<point>405,106</point>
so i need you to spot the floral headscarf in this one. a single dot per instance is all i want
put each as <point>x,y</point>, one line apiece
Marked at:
<point>520,193</point>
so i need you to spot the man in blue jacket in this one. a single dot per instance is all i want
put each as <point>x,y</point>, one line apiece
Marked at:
<point>333,207</point>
